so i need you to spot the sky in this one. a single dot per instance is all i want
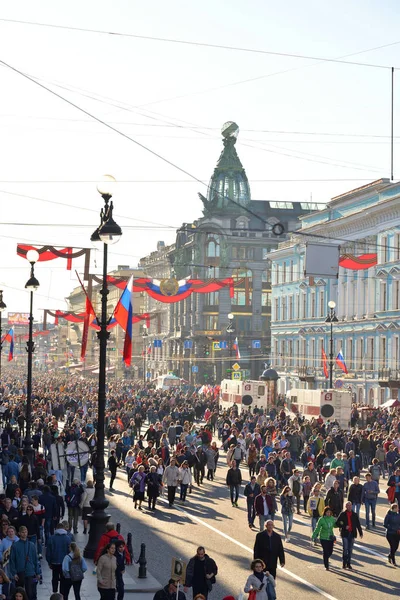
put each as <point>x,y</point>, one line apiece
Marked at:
<point>308,128</point>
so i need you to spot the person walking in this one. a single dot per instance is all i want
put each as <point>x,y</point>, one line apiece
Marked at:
<point>138,483</point>
<point>56,550</point>
<point>355,494</point>
<point>112,466</point>
<point>200,573</point>
<point>287,510</point>
<point>264,506</point>
<point>392,526</point>
<point>260,581</point>
<point>85,505</point>
<point>171,479</point>
<point>349,524</point>
<point>24,564</point>
<point>120,555</point>
<point>154,484</point>
<point>369,497</point>
<point>251,491</point>
<point>295,486</point>
<point>324,531</point>
<point>334,499</point>
<point>315,508</point>
<point>185,480</point>
<point>394,482</point>
<point>106,577</point>
<point>73,498</point>
<point>73,568</point>
<point>234,481</point>
<point>268,547</point>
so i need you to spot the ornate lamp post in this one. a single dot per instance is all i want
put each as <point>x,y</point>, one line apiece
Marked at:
<point>230,330</point>
<point>331,318</point>
<point>145,335</point>
<point>108,232</point>
<point>32,285</point>
<point>3,306</point>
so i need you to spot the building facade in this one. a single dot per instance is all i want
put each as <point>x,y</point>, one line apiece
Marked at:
<point>232,239</point>
<point>362,221</point>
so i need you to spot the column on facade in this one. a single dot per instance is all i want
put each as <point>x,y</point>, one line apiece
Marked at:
<point>371,291</point>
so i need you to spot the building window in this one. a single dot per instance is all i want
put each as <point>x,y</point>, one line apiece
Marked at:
<point>297,315</point>
<point>382,353</point>
<point>321,303</point>
<point>290,307</point>
<point>384,249</point>
<point>211,322</point>
<point>360,354</point>
<point>383,296</point>
<point>396,246</point>
<point>291,274</point>
<point>349,354</point>
<point>276,309</point>
<point>396,294</point>
<point>212,247</point>
<point>284,308</point>
<point>284,274</point>
<point>303,305</point>
<point>266,299</point>
<point>370,358</point>
<point>243,324</point>
<point>312,299</point>
<point>211,299</point>
<point>242,252</point>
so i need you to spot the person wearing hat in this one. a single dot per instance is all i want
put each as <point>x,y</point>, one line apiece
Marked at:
<point>324,531</point>
<point>169,592</point>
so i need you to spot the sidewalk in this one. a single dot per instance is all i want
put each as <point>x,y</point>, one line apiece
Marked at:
<point>143,589</point>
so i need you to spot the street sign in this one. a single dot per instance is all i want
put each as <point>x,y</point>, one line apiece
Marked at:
<point>236,367</point>
<point>339,384</point>
<point>188,344</point>
<point>223,345</point>
<point>237,376</point>
<point>148,375</point>
<point>256,344</point>
<point>216,346</point>
<point>157,343</point>
<point>195,369</point>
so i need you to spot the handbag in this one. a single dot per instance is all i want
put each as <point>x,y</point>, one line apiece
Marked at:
<point>252,595</point>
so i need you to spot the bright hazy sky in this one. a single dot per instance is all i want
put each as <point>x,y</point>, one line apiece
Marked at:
<point>174,98</point>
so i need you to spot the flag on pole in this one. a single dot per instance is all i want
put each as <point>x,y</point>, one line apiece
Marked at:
<point>149,348</point>
<point>9,337</point>
<point>87,321</point>
<point>236,347</point>
<point>325,363</point>
<point>123,315</point>
<point>340,362</point>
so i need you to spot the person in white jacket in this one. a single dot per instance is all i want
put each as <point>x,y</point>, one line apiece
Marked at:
<point>171,479</point>
<point>261,582</point>
<point>185,479</point>
<point>330,479</point>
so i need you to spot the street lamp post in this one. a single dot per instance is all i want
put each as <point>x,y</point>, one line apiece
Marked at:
<point>2,308</point>
<point>108,232</point>
<point>145,335</point>
<point>32,285</point>
<point>230,330</point>
<point>331,318</point>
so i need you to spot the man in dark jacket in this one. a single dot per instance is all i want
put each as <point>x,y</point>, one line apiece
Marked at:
<point>200,573</point>
<point>112,465</point>
<point>49,504</point>
<point>349,524</point>
<point>56,549</point>
<point>169,592</point>
<point>269,548</point>
<point>287,466</point>
<point>233,481</point>
<point>251,491</point>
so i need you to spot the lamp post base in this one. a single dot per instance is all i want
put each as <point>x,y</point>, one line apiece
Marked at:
<point>97,526</point>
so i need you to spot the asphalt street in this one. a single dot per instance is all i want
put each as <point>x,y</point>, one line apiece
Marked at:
<point>208,519</point>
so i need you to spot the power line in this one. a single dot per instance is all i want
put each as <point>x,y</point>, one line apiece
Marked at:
<point>202,44</point>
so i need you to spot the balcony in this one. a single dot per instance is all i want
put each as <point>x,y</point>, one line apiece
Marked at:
<point>307,374</point>
<point>389,378</point>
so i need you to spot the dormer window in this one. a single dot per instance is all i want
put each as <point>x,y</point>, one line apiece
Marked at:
<point>242,223</point>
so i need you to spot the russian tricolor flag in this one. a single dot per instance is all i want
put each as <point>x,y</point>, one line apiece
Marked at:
<point>9,337</point>
<point>123,316</point>
<point>236,347</point>
<point>340,362</point>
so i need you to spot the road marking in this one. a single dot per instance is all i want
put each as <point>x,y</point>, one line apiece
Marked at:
<point>247,549</point>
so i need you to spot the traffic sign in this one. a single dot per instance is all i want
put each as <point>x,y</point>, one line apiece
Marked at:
<point>237,375</point>
<point>216,346</point>
<point>195,369</point>
<point>256,344</point>
<point>236,367</point>
<point>339,384</point>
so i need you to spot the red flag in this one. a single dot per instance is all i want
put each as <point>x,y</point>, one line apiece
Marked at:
<point>89,317</point>
<point>325,363</point>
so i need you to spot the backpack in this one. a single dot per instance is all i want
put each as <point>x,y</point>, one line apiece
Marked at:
<point>75,570</point>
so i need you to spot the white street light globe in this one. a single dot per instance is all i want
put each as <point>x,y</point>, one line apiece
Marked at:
<point>106,187</point>
<point>32,256</point>
<point>332,304</point>
<point>230,316</point>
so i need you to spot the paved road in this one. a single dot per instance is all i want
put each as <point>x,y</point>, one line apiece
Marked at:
<point>209,519</point>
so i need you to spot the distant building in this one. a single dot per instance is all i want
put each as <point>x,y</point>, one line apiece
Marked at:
<point>232,239</point>
<point>361,221</point>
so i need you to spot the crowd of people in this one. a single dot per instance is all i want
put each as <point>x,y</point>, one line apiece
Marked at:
<point>168,443</point>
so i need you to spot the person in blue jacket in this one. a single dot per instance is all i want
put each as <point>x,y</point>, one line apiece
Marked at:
<point>24,565</point>
<point>392,526</point>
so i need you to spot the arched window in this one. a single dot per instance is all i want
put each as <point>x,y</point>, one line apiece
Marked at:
<point>212,247</point>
